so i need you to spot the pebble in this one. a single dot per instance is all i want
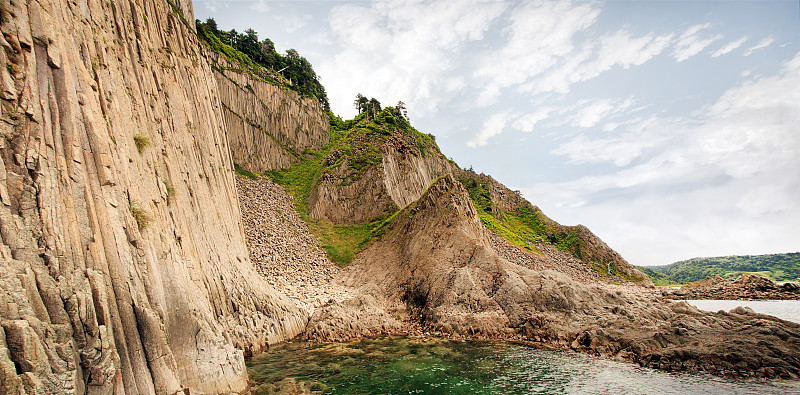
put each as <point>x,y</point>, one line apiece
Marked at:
<point>283,249</point>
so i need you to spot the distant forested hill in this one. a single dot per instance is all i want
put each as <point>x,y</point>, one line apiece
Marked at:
<point>778,267</point>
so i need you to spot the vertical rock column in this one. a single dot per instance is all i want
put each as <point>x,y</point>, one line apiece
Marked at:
<point>122,262</point>
<point>268,127</point>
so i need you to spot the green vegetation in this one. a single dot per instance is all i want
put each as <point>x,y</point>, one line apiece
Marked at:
<point>143,219</point>
<point>522,227</point>
<point>353,150</point>
<point>290,70</point>
<point>170,191</point>
<point>141,142</point>
<point>244,172</point>
<point>778,267</point>
<point>658,279</point>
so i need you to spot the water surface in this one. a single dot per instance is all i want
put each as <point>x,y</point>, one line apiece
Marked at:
<point>788,310</point>
<point>398,365</point>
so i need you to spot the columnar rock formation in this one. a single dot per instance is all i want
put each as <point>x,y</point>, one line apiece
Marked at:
<point>268,127</point>
<point>408,171</point>
<point>396,174</point>
<point>123,260</point>
<point>124,267</point>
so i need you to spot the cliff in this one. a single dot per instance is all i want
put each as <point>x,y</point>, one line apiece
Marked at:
<point>268,127</point>
<point>124,267</point>
<point>376,168</point>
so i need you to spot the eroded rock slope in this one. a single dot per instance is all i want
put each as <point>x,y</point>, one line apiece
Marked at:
<point>437,260</point>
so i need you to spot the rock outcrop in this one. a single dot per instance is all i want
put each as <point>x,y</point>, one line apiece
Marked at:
<point>268,127</point>
<point>408,171</point>
<point>378,175</point>
<point>586,246</point>
<point>437,259</point>
<point>745,287</point>
<point>124,267</point>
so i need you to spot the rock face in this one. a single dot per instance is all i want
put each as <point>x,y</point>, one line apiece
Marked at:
<point>124,268</point>
<point>746,287</point>
<point>382,175</point>
<point>409,171</point>
<point>268,127</point>
<point>438,260</point>
<point>592,250</point>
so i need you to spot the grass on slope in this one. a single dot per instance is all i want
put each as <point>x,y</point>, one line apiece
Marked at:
<point>658,279</point>
<point>357,141</point>
<point>522,228</point>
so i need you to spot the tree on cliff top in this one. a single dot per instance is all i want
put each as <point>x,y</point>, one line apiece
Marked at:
<point>294,67</point>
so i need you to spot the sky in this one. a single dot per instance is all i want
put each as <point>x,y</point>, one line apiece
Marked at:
<point>670,128</point>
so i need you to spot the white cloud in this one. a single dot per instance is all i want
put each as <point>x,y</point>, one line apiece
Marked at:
<point>761,44</point>
<point>527,122</point>
<point>403,51</point>
<point>690,43</point>
<point>493,126</point>
<point>260,6</point>
<point>726,180</point>
<point>596,56</point>
<point>590,115</point>
<point>293,22</point>
<point>540,35</point>
<point>727,48</point>
<point>214,5</point>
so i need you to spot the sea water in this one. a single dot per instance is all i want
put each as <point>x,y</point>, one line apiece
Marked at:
<point>400,365</point>
<point>788,310</point>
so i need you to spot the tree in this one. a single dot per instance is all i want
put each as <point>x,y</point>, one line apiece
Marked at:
<point>294,67</point>
<point>401,108</point>
<point>233,38</point>
<point>374,106</point>
<point>360,103</point>
<point>267,47</point>
<point>248,43</point>
<point>212,24</point>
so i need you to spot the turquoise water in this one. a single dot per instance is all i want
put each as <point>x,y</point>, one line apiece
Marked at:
<point>398,365</point>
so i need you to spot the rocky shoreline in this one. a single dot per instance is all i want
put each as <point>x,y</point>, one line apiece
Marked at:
<point>460,281</point>
<point>745,287</point>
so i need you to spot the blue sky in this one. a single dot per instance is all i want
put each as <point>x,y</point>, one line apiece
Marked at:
<point>669,128</point>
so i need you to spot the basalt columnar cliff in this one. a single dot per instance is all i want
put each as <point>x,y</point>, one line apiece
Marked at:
<point>129,267</point>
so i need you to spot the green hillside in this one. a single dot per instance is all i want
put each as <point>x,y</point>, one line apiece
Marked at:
<point>357,146</point>
<point>778,267</point>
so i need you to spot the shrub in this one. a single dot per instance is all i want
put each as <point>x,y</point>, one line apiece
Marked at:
<point>170,191</point>
<point>143,219</point>
<point>141,142</point>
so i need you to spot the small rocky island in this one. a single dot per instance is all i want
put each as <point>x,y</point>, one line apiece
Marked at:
<point>745,287</point>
